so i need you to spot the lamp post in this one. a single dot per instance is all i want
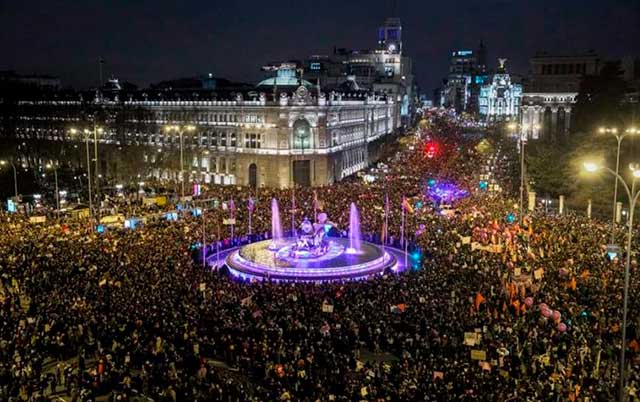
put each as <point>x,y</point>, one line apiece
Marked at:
<point>523,137</point>
<point>96,174</point>
<point>15,176</point>
<point>180,130</point>
<point>633,198</point>
<point>619,137</point>
<point>86,142</point>
<point>55,175</point>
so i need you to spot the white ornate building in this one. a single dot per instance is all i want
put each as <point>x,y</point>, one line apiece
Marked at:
<point>279,134</point>
<point>500,99</point>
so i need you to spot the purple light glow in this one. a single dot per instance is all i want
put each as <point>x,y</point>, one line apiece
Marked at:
<point>258,261</point>
<point>446,192</point>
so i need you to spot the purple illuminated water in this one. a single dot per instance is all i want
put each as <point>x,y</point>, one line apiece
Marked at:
<point>276,226</point>
<point>354,230</point>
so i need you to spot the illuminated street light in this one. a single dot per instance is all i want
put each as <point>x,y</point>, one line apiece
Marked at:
<point>633,198</point>
<point>55,175</point>
<point>15,176</point>
<point>88,174</point>
<point>590,167</point>
<point>619,137</point>
<point>180,130</point>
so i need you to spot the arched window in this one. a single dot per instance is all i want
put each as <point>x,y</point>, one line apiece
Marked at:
<point>301,134</point>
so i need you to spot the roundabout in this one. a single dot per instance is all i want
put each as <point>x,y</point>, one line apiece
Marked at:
<point>311,255</point>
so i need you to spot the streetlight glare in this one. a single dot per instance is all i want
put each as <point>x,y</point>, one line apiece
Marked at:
<point>590,166</point>
<point>512,126</point>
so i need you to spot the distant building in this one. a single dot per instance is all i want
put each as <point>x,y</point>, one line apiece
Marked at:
<point>384,69</point>
<point>35,81</point>
<point>500,97</point>
<point>550,93</point>
<point>467,73</point>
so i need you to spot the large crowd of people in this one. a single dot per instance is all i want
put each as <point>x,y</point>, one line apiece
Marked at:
<point>495,310</point>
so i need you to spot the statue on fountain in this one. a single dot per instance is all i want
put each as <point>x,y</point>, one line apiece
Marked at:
<point>311,239</point>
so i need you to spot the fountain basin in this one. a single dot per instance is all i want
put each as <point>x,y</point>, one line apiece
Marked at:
<point>259,261</point>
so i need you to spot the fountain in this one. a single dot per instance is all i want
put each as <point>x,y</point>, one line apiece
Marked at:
<point>355,246</point>
<point>311,254</point>
<point>276,226</point>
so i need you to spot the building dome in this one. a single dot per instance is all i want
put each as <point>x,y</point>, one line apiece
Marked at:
<point>286,77</point>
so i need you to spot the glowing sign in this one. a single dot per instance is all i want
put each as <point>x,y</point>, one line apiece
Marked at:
<point>171,216</point>
<point>11,206</point>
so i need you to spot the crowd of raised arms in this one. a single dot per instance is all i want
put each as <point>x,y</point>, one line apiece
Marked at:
<point>130,315</point>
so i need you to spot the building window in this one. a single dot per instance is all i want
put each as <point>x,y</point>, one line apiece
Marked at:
<point>252,141</point>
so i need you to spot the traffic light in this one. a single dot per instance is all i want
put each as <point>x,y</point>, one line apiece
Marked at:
<point>431,149</point>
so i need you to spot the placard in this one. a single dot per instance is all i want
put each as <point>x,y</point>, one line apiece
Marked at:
<point>478,355</point>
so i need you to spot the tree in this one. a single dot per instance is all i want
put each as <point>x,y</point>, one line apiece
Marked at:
<point>600,100</point>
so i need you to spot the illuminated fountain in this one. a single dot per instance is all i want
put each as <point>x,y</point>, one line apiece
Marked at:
<point>354,231</point>
<point>276,226</point>
<point>312,254</point>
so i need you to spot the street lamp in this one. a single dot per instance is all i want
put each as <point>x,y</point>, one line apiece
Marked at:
<point>96,131</point>
<point>86,142</point>
<point>619,137</point>
<point>180,130</point>
<point>633,198</point>
<point>15,176</point>
<point>55,175</point>
<point>523,137</point>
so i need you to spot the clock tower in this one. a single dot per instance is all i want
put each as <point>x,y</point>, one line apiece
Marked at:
<point>390,36</point>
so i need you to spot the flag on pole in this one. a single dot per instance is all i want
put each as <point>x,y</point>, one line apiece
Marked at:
<point>406,205</point>
<point>479,300</point>
<point>232,208</point>
<point>251,204</point>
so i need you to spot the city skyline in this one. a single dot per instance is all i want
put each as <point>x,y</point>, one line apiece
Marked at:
<point>233,40</point>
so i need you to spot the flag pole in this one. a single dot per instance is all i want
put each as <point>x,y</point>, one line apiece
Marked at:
<point>315,204</point>
<point>402,224</point>
<point>218,248</point>
<point>293,210</point>
<point>386,218</point>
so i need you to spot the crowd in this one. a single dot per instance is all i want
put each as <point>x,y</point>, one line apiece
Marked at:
<point>131,314</point>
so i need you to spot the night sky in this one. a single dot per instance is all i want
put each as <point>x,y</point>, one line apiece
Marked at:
<point>144,41</point>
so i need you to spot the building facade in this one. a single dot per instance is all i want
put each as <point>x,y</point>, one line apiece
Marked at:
<point>500,99</point>
<point>384,69</point>
<point>551,91</point>
<point>295,134</point>
<point>467,73</point>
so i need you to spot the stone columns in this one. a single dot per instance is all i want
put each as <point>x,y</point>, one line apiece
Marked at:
<point>561,205</point>
<point>618,212</point>
<point>567,120</point>
<point>589,209</point>
<point>554,123</point>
